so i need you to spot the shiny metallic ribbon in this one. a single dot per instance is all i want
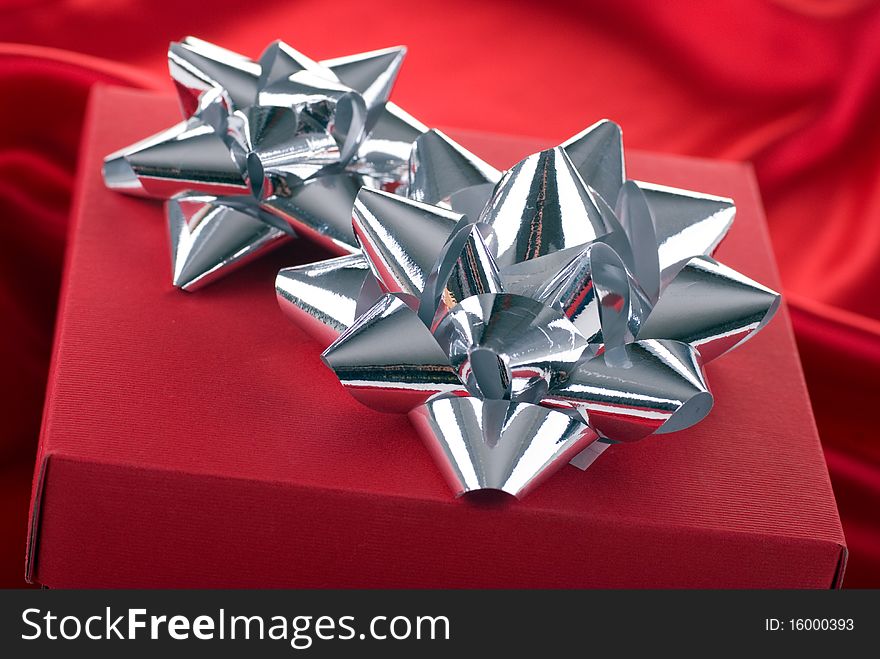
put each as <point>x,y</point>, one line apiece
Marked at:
<point>268,149</point>
<point>529,318</point>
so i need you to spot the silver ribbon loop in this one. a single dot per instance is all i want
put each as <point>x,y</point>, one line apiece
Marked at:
<point>467,268</point>
<point>712,307</point>
<point>445,174</point>
<point>597,154</point>
<point>638,224</point>
<point>497,445</point>
<point>541,205</point>
<point>323,297</point>
<point>389,360</point>
<point>662,386</point>
<point>402,239</point>
<point>205,233</point>
<point>532,345</point>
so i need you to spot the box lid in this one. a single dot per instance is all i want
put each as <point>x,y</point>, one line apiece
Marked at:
<point>198,440</point>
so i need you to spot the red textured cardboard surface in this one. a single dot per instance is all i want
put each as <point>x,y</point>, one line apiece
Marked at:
<point>197,439</point>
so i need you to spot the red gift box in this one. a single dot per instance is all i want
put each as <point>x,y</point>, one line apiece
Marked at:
<point>198,440</point>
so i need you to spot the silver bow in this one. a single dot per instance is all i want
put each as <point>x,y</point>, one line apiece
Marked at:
<point>527,319</point>
<point>268,149</point>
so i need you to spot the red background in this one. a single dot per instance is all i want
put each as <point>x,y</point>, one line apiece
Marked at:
<point>790,85</point>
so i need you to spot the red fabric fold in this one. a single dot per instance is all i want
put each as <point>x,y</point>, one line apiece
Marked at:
<point>790,85</point>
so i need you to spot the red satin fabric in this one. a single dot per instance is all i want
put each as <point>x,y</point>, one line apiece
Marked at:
<point>790,85</point>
